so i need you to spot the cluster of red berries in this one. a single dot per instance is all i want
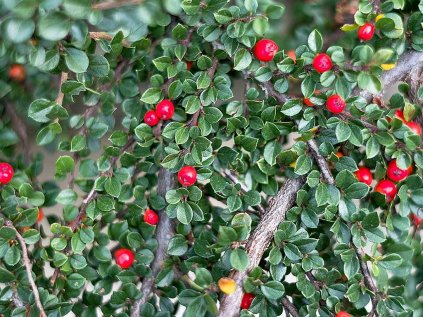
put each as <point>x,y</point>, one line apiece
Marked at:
<point>386,187</point>
<point>414,126</point>
<point>164,111</point>
<point>6,173</point>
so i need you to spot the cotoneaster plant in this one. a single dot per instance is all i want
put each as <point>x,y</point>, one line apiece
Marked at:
<point>203,158</point>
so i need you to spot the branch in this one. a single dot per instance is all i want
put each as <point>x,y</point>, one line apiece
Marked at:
<point>258,242</point>
<point>165,231</point>
<point>115,4</point>
<point>289,307</point>
<point>60,94</point>
<point>20,128</point>
<point>327,176</point>
<point>106,36</point>
<point>28,266</point>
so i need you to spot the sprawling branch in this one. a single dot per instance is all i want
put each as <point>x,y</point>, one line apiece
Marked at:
<point>328,177</point>
<point>258,242</point>
<point>164,232</point>
<point>28,266</point>
<point>107,5</point>
<point>289,307</point>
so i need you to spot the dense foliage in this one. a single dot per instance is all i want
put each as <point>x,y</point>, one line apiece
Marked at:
<point>183,135</point>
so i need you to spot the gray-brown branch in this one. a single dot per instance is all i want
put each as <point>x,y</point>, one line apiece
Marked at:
<point>328,177</point>
<point>289,307</point>
<point>258,242</point>
<point>164,232</point>
<point>28,266</point>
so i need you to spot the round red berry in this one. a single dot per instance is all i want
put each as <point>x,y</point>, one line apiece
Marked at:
<point>189,65</point>
<point>308,102</point>
<point>335,104</point>
<point>366,31</point>
<point>187,176</point>
<point>364,175</point>
<point>415,220</point>
<point>400,115</point>
<point>322,63</point>
<point>247,298</point>
<point>415,127</point>
<point>151,118</point>
<point>40,214</point>
<point>397,174</point>
<point>387,188</point>
<point>6,173</point>
<point>165,109</point>
<point>17,72</point>
<point>151,217</point>
<point>124,258</point>
<point>265,50</point>
<point>343,314</point>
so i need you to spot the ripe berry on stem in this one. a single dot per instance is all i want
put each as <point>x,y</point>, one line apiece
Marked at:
<point>335,104</point>
<point>265,50</point>
<point>247,298</point>
<point>364,175</point>
<point>189,65</point>
<point>187,176</point>
<point>415,220</point>
<point>366,31</point>
<point>151,118</point>
<point>308,102</point>
<point>343,314</point>
<point>165,109</point>
<point>17,73</point>
<point>151,217</point>
<point>322,63</point>
<point>387,188</point>
<point>415,127</point>
<point>397,174</point>
<point>124,258</point>
<point>6,173</point>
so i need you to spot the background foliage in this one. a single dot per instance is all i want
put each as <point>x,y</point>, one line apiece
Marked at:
<point>92,70</point>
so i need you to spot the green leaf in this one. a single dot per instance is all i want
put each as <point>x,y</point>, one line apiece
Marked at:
<point>64,165</point>
<point>113,186</point>
<point>242,59</point>
<point>315,41</point>
<point>239,259</point>
<point>53,26</point>
<point>76,60</point>
<point>273,290</point>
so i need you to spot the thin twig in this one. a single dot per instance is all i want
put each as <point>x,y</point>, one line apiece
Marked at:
<point>107,5</point>
<point>60,94</point>
<point>28,266</point>
<point>289,307</point>
<point>106,36</point>
<point>20,128</point>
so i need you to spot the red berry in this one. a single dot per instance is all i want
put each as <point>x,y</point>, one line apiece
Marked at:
<point>397,174</point>
<point>415,220</point>
<point>6,173</point>
<point>17,72</point>
<point>335,104</point>
<point>247,298</point>
<point>415,127</point>
<point>364,175</point>
<point>366,31</point>
<point>189,65</point>
<point>40,214</point>
<point>151,217</point>
<point>343,314</point>
<point>387,188</point>
<point>322,63</point>
<point>339,154</point>
<point>308,102</point>
<point>291,54</point>
<point>187,176</point>
<point>151,118</point>
<point>265,50</point>
<point>124,258</point>
<point>400,115</point>
<point>165,109</point>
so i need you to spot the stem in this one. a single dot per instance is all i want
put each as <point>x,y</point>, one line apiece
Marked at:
<point>115,4</point>
<point>289,307</point>
<point>165,231</point>
<point>28,266</point>
<point>60,94</point>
